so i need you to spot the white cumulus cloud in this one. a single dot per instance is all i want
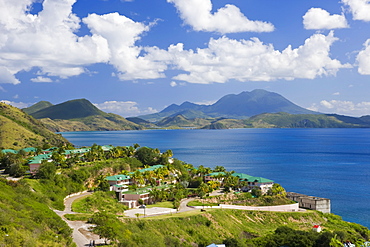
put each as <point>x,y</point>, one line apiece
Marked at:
<point>360,9</point>
<point>229,19</point>
<point>46,40</point>
<point>363,59</point>
<point>342,107</point>
<point>124,108</point>
<point>6,76</point>
<point>251,60</point>
<point>121,33</point>
<point>317,18</point>
<point>41,79</point>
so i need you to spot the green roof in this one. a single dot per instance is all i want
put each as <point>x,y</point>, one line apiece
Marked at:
<point>242,176</point>
<point>117,178</point>
<point>152,168</point>
<point>120,185</point>
<point>5,151</point>
<point>39,158</point>
<point>214,174</point>
<point>260,180</point>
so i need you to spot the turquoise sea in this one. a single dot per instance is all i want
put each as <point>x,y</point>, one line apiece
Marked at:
<point>330,163</point>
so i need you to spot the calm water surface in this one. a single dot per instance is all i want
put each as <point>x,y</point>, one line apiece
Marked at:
<point>330,163</point>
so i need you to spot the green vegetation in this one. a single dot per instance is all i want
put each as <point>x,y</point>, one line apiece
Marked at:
<point>247,228</point>
<point>26,220</point>
<point>19,130</point>
<point>99,201</point>
<point>79,115</point>
<point>165,204</point>
<point>37,107</point>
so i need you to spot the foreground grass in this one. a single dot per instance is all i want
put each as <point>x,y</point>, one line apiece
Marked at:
<point>201,228</point>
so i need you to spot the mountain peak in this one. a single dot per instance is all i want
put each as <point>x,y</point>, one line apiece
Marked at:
<point>237,106</point>
<point>77,108</point>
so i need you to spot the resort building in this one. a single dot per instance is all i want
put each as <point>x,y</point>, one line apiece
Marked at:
<point>249,182</point>
<point>119,183</point>
<point>214,176</point>
<point>131,198</point>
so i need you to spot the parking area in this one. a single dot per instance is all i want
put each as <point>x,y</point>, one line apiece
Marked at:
<point>148,211</point>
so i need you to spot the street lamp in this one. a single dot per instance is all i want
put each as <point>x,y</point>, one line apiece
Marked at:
<point>144,207</point>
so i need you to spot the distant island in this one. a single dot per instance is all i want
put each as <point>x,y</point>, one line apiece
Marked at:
<point>256,109</point>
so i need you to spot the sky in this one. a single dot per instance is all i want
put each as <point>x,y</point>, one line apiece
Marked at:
<point>136,57</point>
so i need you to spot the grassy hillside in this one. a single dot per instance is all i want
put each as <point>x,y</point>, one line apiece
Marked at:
<point>81,115</point>
<point>246,228</point>
<point>78,108</point>
<point>19,130</point>
<point>181,121</point>
<point>25,220</point>
<point>286,120</point>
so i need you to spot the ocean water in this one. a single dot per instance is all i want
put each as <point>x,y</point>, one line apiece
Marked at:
<point>329,163</point>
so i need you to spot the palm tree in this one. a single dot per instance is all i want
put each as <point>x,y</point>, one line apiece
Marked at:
<point>138,178</point>
<point>219,169</point>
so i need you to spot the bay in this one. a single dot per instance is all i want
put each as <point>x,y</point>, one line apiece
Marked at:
<point>329,163</point>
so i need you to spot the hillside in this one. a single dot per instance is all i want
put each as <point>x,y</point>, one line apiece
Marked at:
<point>78,108</point>
<point>27,221</point>
<point>37,107</point>
<point>240,106</point>
<point>19,130</point>
<point>238,228</point>
<point>81,115</point>
<point>286,120</point>
<point>182,121</point>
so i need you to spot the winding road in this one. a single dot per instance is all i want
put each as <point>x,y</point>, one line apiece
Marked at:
<point>81,236</point>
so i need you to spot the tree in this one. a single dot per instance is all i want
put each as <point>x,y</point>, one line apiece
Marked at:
<point>17,170</point>
<point>277,189</point>
<point>107,226</point>
<point>230,181</point>
<point>203,189</point>
<point>335,242</point>
<point>147,156</point>
<point>219,169</point>
<point>46,170</point>
<point>256,192</point>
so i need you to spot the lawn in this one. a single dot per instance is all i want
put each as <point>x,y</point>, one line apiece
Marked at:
<point>166,204</point>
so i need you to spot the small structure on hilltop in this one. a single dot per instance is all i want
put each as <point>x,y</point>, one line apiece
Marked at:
<point>316,228</point>
<point>310,202</point>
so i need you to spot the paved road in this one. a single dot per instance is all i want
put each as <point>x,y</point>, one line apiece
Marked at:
<point>81,236</point>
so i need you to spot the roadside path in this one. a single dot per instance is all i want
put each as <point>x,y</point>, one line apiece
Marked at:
<point>81,236</point>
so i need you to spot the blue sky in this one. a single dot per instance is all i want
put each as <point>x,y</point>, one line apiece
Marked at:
<point>137,57</point>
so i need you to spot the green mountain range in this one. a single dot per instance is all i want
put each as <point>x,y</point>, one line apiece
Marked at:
<point>256,109</point>
<point>79,115</point>
<point>19,130</point>
<point>240,106</point>
<point>286,120</point>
